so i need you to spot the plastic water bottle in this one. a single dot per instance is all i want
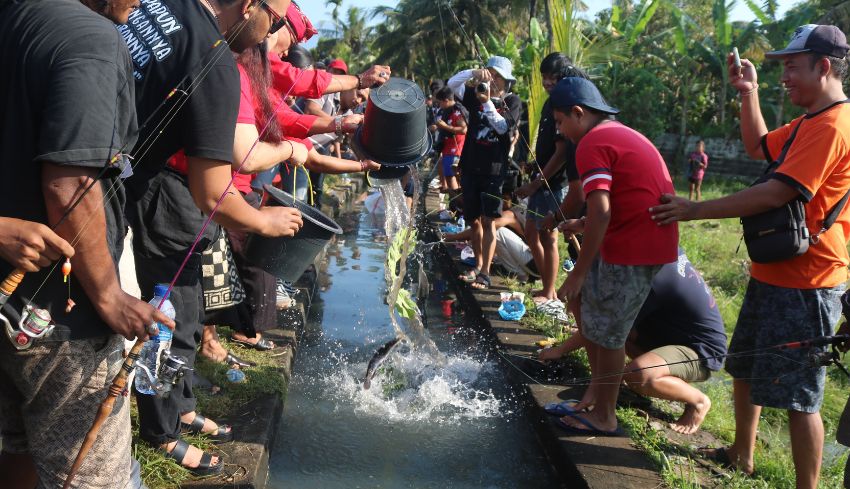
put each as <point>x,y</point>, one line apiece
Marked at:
<point>235,375</point>
<point>150,354</point>
<point>462,223</point>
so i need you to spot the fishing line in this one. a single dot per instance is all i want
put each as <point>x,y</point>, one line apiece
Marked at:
<point>111,191</point>
<point>521,136</point>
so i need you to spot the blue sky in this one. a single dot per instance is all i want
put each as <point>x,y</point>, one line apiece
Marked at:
<point>319,14</point>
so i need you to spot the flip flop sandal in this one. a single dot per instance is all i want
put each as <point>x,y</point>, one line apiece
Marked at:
<point>468,276</point>
<point>223,434</point>
<point>482,282</point>
<point>232,359</point>
<point>591,429</point>
<point>562,408</point>
<point>204,468</point>
<point>261,345</point>
<point>721,458</point>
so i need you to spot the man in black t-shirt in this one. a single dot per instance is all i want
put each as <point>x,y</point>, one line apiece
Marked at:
<point>555,156</point>
<point>177,44</point>
<point>677,338</point>
<point>67,103</point>
<point>484,160</point>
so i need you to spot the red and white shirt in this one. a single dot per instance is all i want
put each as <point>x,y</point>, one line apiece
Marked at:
<point>623,162</point>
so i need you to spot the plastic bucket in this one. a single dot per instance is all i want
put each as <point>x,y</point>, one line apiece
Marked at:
<point>395,129</point>
<point>288,257</point>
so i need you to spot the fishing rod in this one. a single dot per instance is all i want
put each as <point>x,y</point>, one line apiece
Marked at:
<point>531,152</point>
<point>25,335</point>
<point>819,359</point>
<point>120,381</point>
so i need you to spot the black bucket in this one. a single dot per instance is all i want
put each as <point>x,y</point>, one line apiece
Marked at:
<point>288,257</point>
<point>395,128</point>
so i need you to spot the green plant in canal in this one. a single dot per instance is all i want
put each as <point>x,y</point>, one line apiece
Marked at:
<point>404,303</point>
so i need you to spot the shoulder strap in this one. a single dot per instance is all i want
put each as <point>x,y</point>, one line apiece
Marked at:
<point>836,210</point>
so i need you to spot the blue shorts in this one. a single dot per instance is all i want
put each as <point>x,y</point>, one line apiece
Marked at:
<point>770,316</point>
<point>543,202</point>
<point>448,162</point>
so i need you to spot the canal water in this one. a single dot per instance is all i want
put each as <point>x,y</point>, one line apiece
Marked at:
<point>457,425</point>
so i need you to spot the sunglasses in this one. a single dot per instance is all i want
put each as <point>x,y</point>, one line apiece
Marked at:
<point>278,21</point>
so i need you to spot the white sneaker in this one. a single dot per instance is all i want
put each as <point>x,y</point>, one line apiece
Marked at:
<point>283,300</point>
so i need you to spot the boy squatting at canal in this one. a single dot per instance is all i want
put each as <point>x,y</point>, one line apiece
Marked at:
<point>797,298</point>
<point>679,324</point>
<point>611,287</point>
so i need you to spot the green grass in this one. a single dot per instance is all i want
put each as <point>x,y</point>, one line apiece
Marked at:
<point>158,472</point>
<point>712,246</point>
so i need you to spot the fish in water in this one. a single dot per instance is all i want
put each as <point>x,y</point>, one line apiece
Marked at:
<point>424,286</point>
<point>377,359</point>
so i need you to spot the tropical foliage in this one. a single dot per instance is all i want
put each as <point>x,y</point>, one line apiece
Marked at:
<point>662,62</point>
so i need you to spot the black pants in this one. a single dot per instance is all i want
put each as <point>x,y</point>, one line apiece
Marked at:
<point>159,419</point>
<point>260,286</point>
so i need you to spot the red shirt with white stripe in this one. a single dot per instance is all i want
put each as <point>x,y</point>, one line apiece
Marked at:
<point>623,162</point>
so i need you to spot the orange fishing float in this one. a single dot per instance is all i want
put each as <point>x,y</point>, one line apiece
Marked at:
<point>66,269</point>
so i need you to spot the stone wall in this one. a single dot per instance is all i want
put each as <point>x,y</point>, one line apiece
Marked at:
<point>726,158</point>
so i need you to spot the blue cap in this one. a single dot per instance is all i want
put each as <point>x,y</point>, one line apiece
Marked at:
<point>573,91</point>
<point>160,290</point>
<point>503,66</point>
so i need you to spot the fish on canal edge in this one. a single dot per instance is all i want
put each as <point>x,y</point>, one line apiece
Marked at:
<point>377,359</point>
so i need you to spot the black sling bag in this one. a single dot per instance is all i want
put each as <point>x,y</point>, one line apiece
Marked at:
<point>781,233</point>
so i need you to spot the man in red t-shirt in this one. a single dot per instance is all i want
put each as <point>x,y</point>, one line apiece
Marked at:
<point>631,248</point>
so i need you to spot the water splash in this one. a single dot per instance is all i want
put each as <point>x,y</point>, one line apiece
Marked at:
<point>411,388</point>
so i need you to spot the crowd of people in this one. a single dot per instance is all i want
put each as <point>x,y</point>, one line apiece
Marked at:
<point>139,115</point>
<point>631,289</point>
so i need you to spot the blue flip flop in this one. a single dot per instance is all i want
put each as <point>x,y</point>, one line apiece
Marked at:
<point>592,431</point>
<point>562,408</point>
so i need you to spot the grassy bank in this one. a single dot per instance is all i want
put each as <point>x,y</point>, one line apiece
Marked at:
<point>711,246</point>
<point>159,472</point>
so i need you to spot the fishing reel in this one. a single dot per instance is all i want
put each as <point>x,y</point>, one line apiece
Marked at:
<point>34,324</point>
<point>171,369</point>
<point>832,356</point>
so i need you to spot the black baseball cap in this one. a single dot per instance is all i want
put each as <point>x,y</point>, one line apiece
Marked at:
<point>814,38</point>
<point>573,90</point>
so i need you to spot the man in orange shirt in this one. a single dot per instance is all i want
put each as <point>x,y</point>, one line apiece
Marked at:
<point>797,298</point>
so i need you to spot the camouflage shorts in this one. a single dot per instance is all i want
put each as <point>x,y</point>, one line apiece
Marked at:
<point>772,315</point>
<point>611,298</point>
<point>49,396</point>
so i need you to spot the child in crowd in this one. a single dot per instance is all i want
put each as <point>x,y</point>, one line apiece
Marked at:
<point>452,126</point>
<point>631,248</point>
<point>697,163</point>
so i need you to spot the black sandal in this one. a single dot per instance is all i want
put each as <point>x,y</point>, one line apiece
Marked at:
<point>204,468</point>
<point>223,434</point>
<point>261,345</point>
<point>481,282</point>
<point>232,359</point>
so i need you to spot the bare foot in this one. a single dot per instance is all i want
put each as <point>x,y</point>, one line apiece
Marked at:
<point>692,418</point>
<point>213,350</point>
<point>193,455</point>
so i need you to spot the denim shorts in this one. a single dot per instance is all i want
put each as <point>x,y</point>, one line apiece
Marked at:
<point>543,202</point>
<point>611,298</point>
<point>448,162</point>
<point>771,315</point>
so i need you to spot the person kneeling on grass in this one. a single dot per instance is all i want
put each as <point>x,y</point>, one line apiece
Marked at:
<point>677,338</point>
